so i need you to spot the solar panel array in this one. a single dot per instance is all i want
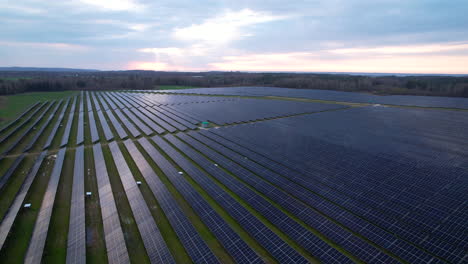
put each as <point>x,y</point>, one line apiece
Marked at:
<point>20,125</point>
<point>422,203</point>
<point>278,248</point>
<point>10,217</point>
<point>68,126</point>
<point>25,112</point>
<point>243,110</point>
<point>56,126</point>
<point>41,226</point>
<point>113,234</point>
<point>155,245</point>
<point>230,240</point>
<point>76,246</point>
<point>406,100</point>
<point>193,243</point>
<point>309,182</point>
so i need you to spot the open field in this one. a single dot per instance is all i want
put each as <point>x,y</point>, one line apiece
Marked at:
<point>274,179</point>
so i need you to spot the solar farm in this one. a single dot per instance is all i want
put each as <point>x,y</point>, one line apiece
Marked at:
<point>232,175</point>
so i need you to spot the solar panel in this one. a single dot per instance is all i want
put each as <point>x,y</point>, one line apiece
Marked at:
<point>167,119</point>
<point>180,114</point>
<point>342,237</point>
<point>117,102</point>
<point>113,234</point>
<point>19,139</point>
<point>11,123</point>
<point>39,132</point>
<point>138,123</point>
<point>106,98</point>
<point>76,246</point>
<point>127,123</point>
<point>267,238</point>
<point>175,118</point>
<point>92,127</point>
<point>96,104</point>
<point>56,126</point>
<point>66,133</point>
<point>148,121</point>
<point>18,127</point>
<point>329,174</point>
<point>10,216</point>
<point>80,134</point>
<point>339,96</point>
<point>230,240</point>
<point>105,126</point>
<point>303,237</point>
<point>4,179</point>
<point>120,131</point>
<point>188,236</point>
<point>41,227</point>
<point>150,234</point>
<point>158,120</point>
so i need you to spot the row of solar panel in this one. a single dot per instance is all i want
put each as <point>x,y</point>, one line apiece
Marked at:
<point>341,194</point>
<point>418,213</point>
<point>408,100</point>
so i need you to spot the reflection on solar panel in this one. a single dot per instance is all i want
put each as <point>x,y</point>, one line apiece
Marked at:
<point>148,121</point>
<point>76,246</point>
<point>167,119</point>
<point>181,114</point>
<point>94,99</point>
<point>127,123</point>
<point>81,105</point>
<point>120,131</point>
<point>188,236</point>
<point>92,127</point>
<point>10,171</point>
<point>103,102</point>
<point>41,227</point>
<point>56,126</point>
<point>114,237</point>
<point>106,98</point>
<point>119,104</point>
<point>66,133</point>
<point>139,124</point>
<point>230,240</point>
<point>158,120</point>
<point>33,140</point>
<point>10,216</point>
<point>243,110</point>
<point>150,234</point>
<point>80,134</point>
<point>88,102</point>
<point>19,117</point>
<point>304,237</point>
<point>176,118</point>
<point>267,238</point>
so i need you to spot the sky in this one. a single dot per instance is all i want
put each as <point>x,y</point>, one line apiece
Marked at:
<point>384,36</point>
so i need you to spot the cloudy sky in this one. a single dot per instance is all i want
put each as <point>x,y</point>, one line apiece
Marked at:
<point>399,36</point>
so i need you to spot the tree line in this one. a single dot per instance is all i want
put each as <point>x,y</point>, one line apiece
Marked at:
<point>19,82</point>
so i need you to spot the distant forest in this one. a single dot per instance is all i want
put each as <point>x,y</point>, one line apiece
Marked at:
<point>12,82</point>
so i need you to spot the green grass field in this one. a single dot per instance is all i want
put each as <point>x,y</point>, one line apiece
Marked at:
<point>12,105</point>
